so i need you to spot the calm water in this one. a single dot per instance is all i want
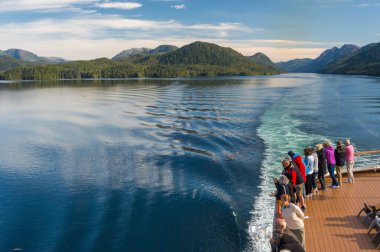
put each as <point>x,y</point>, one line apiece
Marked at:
<point>162,165</point>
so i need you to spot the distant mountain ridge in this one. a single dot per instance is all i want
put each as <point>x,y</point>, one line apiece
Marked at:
<point>23,55</point>
<point>12,58</point>
<point>293,65</point>
<point>315,66</point>
<point>144,51</point>
<point>365,61</point>
<point>193,60</point>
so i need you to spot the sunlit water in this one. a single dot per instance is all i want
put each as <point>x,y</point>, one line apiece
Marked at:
<point>162,165</point>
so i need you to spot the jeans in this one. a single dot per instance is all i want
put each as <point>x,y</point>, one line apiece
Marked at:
<point>314,180</point>
<point>331,168</point>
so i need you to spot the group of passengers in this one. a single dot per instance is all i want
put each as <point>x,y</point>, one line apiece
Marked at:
<point>298,181</point>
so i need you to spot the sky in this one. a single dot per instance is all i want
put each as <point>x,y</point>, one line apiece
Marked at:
<point>282,29</point>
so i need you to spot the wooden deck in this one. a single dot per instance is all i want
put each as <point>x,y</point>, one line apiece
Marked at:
<point>333,225</point>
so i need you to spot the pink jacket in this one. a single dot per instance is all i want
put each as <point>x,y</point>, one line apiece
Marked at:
<point>349,153</point>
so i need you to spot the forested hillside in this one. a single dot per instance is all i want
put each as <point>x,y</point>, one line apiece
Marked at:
<point>196,59</point>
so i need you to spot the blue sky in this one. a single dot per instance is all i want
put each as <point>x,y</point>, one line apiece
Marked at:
<point>282,29</point>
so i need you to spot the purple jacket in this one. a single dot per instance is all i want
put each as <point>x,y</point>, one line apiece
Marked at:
<point>329,151</point>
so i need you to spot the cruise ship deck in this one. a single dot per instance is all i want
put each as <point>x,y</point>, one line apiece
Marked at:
<point>333,223</point>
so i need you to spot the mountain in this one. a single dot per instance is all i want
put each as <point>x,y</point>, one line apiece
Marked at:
<point>316,65</point>
<point>293,65</point>
<point>141,52</point>
<point>163,49</point>
<point>54,59</point>
<point>7,62</point>
<point>202,53</point>
<point>131,52</point>
<point>193,60</point>
<point>365,61</point>
<point>13,58</point>
<point>261,58</point>
<point>23,55</point>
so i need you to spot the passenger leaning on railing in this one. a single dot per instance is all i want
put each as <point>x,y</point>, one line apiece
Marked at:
<point>315,170</point>
<point>350,161</point>
<point>282,187</point>
<point>283,239</point>
<point>294,216</point>
<point>339,154</point>
<point>322,165</point>
<point>309,161</point>
<point>296,180</point>
<point>329,151</point>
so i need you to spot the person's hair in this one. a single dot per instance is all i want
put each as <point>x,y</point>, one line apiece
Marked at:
<point>281,222</point>
<point>327,144</point>
<point>308,151</point>
<point>318,147</point>
<point>348,141</point>
<point>283,180</point>
<point>285,197</point>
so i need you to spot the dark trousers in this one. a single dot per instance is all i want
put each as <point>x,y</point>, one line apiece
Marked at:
<point>314,179</point>
<point>331,168</point>
<point>308,185</point>
<point>321,178</point>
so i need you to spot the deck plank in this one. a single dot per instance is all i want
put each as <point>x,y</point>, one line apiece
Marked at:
<point>333,225</point>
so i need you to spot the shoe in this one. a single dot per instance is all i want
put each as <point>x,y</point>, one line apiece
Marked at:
<point>303,208</point>
<point>335,187</point>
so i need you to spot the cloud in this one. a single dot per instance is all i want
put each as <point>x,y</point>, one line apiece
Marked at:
<point>179,6</point>
<point>97,25</point>
<point>88,36</point>
<point>119,5</point>
<point>364,5</point>
<point>21,5</point>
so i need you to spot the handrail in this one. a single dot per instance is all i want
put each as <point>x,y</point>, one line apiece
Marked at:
<point>367,152</point>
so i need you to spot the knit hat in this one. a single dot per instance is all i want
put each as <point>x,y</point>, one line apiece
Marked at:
<point>291,153</point>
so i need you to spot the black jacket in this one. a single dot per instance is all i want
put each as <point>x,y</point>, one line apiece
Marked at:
<point>322,162</point>
<point>340,156</point>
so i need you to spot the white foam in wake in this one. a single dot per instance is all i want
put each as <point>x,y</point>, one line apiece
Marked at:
<point>280,133</point>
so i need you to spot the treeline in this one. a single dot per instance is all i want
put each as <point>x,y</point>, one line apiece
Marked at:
<point>194,60</point>
<point>81,70</point>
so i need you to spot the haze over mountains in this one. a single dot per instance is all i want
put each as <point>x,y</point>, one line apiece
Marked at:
<point>195,59</point>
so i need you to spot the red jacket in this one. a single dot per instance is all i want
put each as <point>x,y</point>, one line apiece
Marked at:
<point>293,175</point>
<point>297,159</point>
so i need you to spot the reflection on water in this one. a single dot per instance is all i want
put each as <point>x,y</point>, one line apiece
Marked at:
<point>109,165</point>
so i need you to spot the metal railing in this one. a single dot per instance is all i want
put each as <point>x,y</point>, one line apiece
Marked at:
<point>367,160</point>
<point>364,161</point>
